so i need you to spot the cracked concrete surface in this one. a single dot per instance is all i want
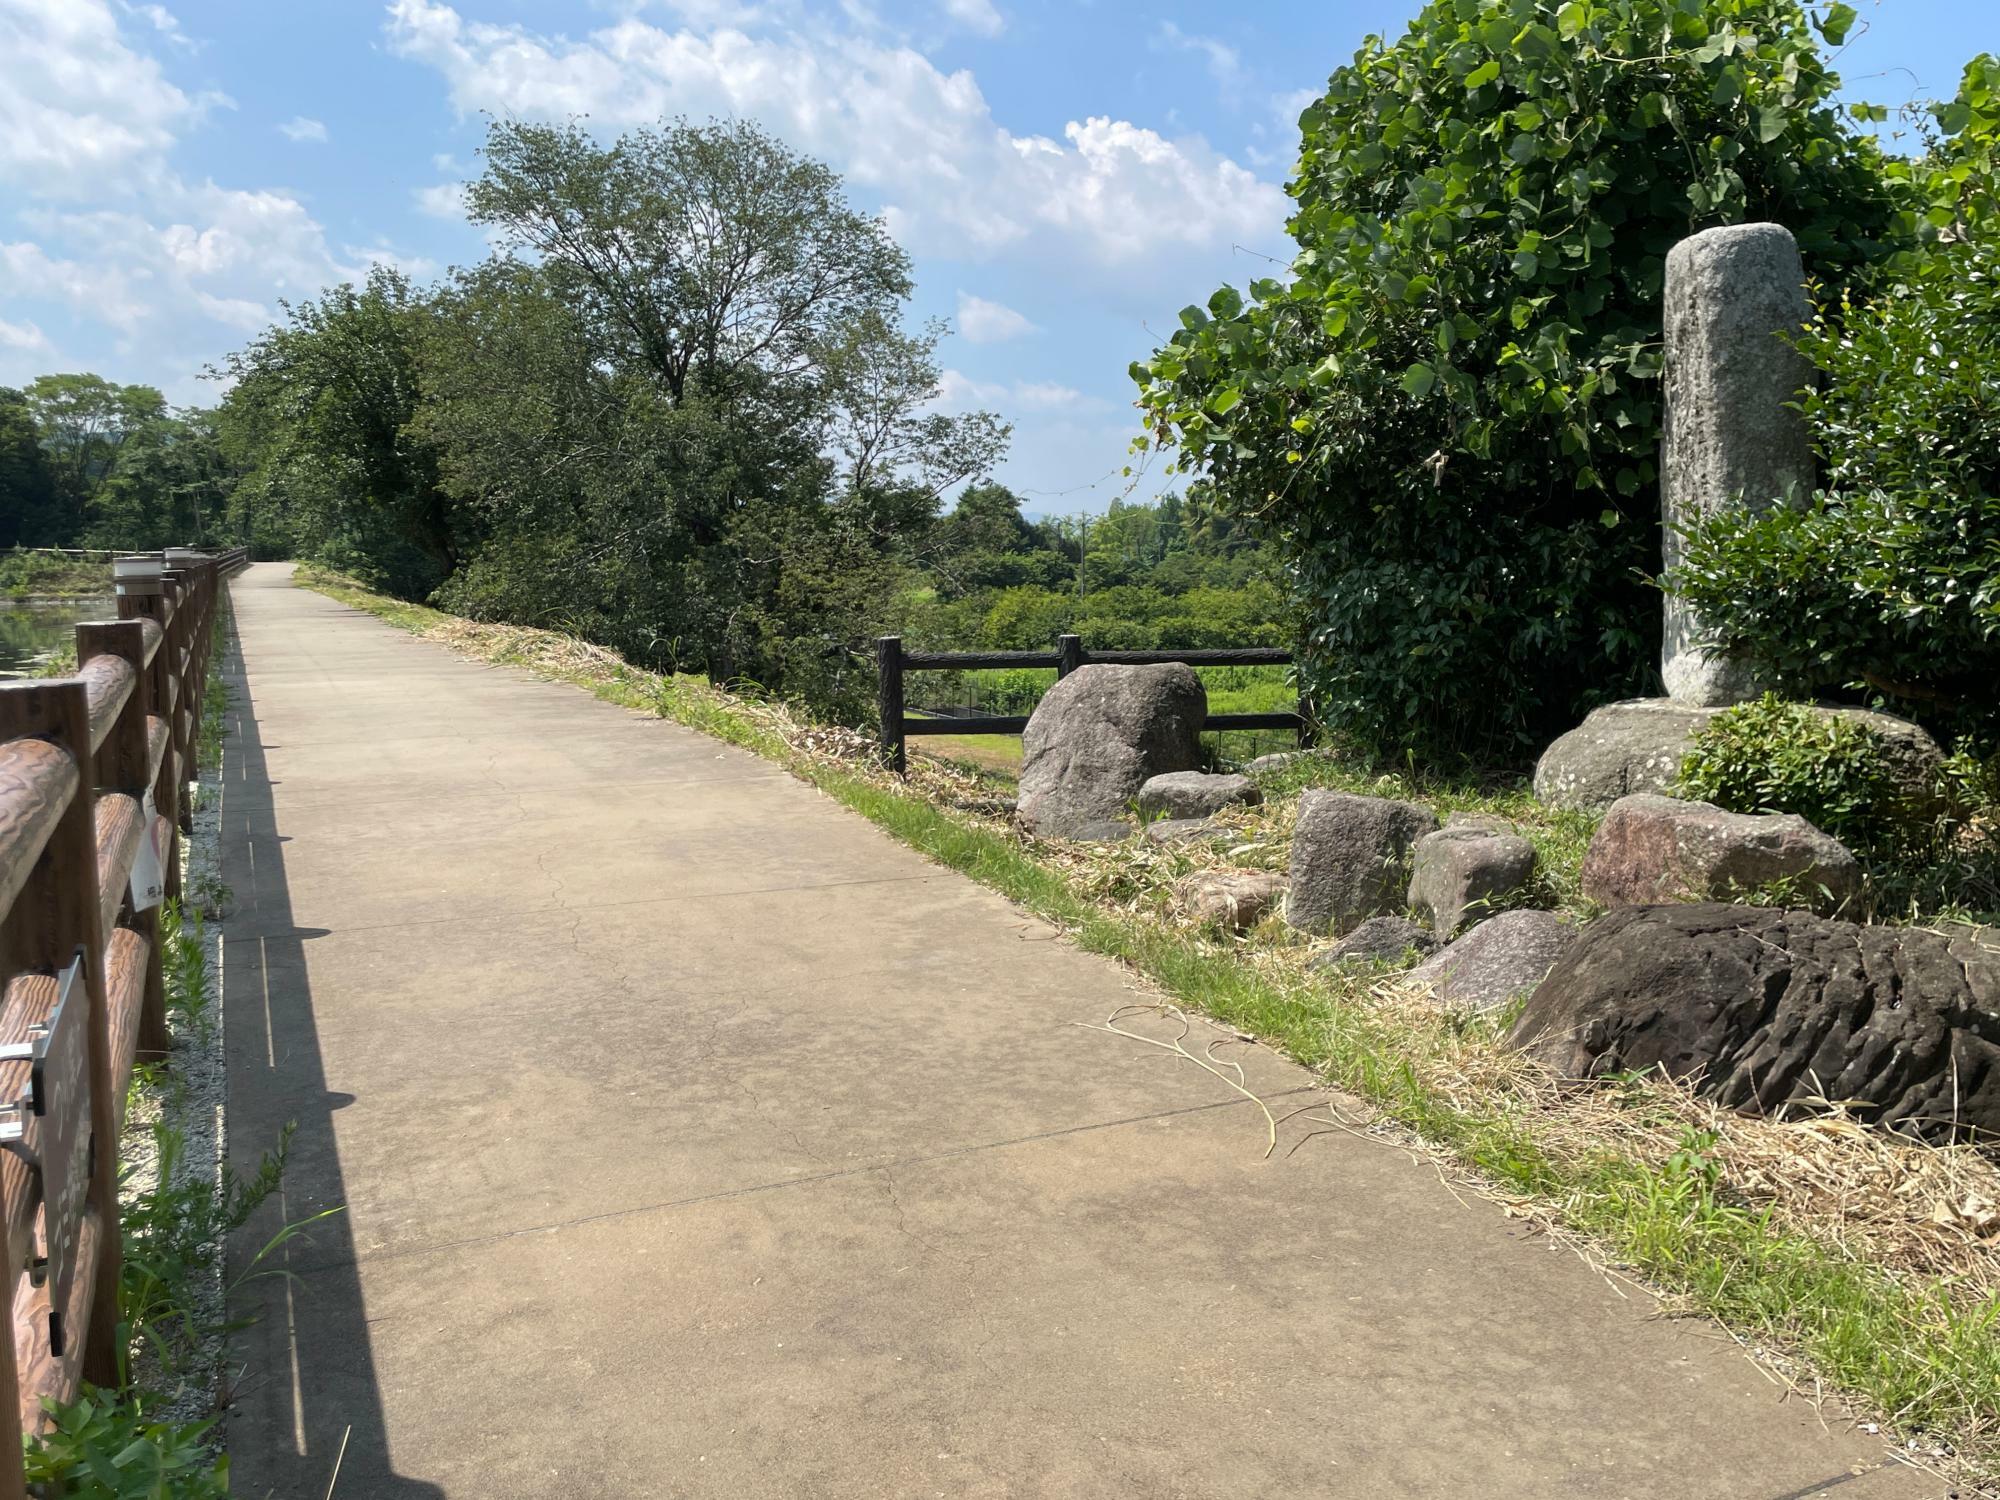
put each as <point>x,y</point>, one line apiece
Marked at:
<point>695,1139</point>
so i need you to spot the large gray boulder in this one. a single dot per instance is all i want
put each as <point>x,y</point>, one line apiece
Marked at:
<point>1651,848</point>
<point>1236,899</point>
<point>1099,735</point>
<point>1759,1009</point>
<point>1621,748</point>
<point>1351,858</point>
<point>1379,940</point>
<point>1731,439</point>
<point>1466,871</point>
<point>1195,794</point>
<point>1501,959</point>
<point>1638,746</point>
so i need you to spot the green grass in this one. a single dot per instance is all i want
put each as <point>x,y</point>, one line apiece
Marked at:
<point>44,575</point>
<point>1924,1357</point>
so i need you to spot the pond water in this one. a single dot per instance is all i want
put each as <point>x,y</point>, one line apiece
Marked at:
<point>30,632</point>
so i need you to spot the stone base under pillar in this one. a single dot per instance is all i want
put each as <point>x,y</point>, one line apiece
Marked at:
<point>1638,746</point>
<point>1698,680</point>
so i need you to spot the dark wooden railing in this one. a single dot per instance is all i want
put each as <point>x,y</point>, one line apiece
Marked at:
<point>896,726</point>
<point>93,771</point>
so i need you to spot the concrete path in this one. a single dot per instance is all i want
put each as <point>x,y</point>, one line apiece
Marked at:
<point>696,1139</point>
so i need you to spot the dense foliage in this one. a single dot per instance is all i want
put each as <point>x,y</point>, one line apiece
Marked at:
<point>86,462</point>
<point>1447,416</point>
<point>1839,774</point>
<point>1888,580</point>
<point>1138,577</point>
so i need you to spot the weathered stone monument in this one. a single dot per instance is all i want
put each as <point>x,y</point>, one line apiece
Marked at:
<point>1732,440</point>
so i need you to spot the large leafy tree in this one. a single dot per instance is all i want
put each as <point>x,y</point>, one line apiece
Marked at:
<point>84,422</point>
<point>1447,414</point>
<point>31,510</point>
<point>320,412</point>
<point>711,255</point>
<point>679,412</point>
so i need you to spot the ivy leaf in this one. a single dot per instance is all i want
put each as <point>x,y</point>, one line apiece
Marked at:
<point>1226,302</point>
<point>1482,75</point>
<point>1225,400</point>
<point>1836,23</point>
<point>1772,122</point>
<point>1418,380</point>
<point>1609,519</point>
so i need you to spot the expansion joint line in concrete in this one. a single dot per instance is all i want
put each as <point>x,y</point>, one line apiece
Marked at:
<point>810,1179</point>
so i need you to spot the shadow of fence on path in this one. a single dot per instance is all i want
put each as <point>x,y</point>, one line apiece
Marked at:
<point>306,1399</point>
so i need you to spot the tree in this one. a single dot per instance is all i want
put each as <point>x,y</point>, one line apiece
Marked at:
<point>699,252</point>
<point>84,421</point>
<point>31,511</point>
<point>170,485</point>
<point>320,412</point>
<point>1447,416</point>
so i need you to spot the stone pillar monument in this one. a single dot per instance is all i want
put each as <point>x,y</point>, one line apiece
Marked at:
<point>1730,440</point>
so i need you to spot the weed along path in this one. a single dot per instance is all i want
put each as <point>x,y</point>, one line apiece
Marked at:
<point>698,1139</point>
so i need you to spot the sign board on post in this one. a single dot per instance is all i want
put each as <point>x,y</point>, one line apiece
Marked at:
<point>149,863</point>
<point>61,1083</point>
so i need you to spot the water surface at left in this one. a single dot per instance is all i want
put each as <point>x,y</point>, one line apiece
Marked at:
<point>33,630</point>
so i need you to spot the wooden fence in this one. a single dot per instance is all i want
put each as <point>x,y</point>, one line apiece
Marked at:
<point>93,771</point>
<point>892,661</point>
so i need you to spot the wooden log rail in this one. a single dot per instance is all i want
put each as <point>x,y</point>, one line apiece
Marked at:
<point>896,726</point>
<point>93,774</point>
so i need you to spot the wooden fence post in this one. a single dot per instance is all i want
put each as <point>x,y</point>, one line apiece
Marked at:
<point>178,588</point>
<point>124,765</point>
<point>143,595</point>
<point>1069,655</point>
<point>889,699</point>
<point>60,711</point>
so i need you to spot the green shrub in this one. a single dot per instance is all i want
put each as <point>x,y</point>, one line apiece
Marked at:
<point>1447,416</point>
<point>102,1446</point>
<point>1931,848</point>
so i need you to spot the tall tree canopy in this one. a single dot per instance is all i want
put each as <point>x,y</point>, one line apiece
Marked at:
<point>677,411</point>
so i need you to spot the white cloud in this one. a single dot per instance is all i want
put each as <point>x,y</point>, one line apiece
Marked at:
<point>957,390</point>
<point>1283,130</point>
<point>164,22</point>
<point>976,15</point>
<point>1225,63</point>
<point>1049,395</point>
<point>300,128</point>
<point>102,291</point>
<point>1109,197</point>
<point>79,108</point>
<point>236,312</point>
<point>23,336</point>
<point>442,200</point>
<point>984,322</point>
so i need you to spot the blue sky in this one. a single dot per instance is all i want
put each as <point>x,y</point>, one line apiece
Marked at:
<point>1067,175</point>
